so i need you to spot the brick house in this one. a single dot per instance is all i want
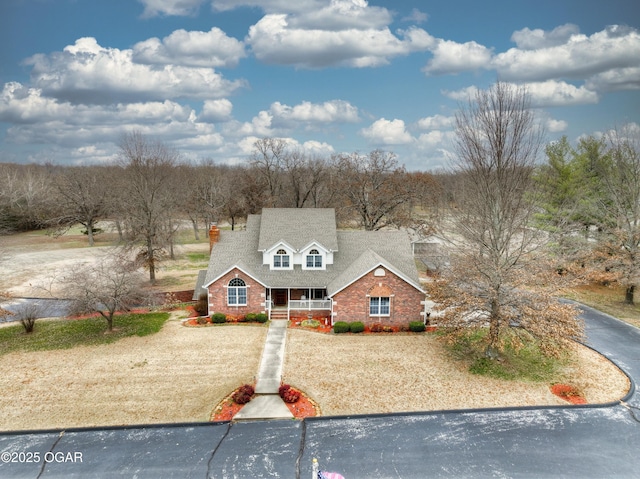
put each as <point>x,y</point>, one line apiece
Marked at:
<point>293,263</point>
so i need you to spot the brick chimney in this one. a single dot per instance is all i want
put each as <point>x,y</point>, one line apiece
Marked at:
<point>214,235</point>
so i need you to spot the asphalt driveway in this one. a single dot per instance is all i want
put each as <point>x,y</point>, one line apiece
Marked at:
<point>535,442</point>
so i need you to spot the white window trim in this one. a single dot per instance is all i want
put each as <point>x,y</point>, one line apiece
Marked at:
<point>316,255</point>
<point>246,294</point>
<point>280,256</point>
<point>379,315</point>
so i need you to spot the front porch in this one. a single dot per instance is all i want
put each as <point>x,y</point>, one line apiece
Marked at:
<point>298,303</point>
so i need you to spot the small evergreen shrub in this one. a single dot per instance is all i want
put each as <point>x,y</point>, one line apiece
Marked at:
<point>356,327</point>
<point>341,327</point>
<point>261,318</point>
<point>416,326</point>
<point>251,317</point>
<point>218,318</point>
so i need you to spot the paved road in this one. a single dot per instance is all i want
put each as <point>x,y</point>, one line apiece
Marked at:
<point>545,442</point>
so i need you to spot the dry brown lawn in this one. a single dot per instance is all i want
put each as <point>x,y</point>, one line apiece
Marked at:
<point>177,375</point>
<point>360,374</point>
<point>180,374</point>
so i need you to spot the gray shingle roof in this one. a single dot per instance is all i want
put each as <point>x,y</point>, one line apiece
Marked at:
<point>358,252</point>
<point>298,227</point>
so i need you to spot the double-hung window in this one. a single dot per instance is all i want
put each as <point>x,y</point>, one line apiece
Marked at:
<point>314,259</point>
<point>237,293</point>
<point>281,259</point>
<point>379,306</point>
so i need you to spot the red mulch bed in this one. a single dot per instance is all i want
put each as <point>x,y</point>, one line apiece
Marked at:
<point>304,407</point>
<point>323,328</point>
<point>568,393</point>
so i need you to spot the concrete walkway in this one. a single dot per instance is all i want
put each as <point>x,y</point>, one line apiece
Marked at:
<point>268,404</point>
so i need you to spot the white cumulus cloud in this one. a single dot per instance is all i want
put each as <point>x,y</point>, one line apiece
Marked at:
<point>527,39</point>
<point>387,132</point>
<point>153,8</point>
<point>452,57</point>
<point>579,57</point>
<point>195,49</point>
<point>89,73</point>
<point>436,122</point>
<point>216,110</point>
<point>340,33</point>
<point>328,112</point>
<point>556,126</point>
<point>559,93</point>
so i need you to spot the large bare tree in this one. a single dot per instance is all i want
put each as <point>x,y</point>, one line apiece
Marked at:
<point>375,189</point>
<point>147,197</point>
<point>267,160</point>
<point>82,193</point>
<point>619,171</point>
<point>25,197</point>
<point>492,278</point>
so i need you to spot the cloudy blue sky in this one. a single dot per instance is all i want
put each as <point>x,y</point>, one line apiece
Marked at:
<point>209,77</point>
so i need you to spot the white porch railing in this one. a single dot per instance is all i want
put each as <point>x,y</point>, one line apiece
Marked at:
<point>310,304</point>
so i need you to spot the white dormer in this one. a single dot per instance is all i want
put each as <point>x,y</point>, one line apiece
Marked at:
<point>315,257</point>
<point>283,256</point>
<point>280,257</point>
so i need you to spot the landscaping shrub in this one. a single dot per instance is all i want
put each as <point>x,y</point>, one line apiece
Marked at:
<point>261,318</point>
<point>201,320</point>
<point>288,394</point>
<point>356,327</point>
<point>248,389</point>
<point>218,318</point>
<point>310,323</point>
<point>376,328</point>
<point>243,394</point>
<point>416,326</point>
<point>251,317</point>
<point>283,388</point>
<point>341,327</point>
<point>202,305</point>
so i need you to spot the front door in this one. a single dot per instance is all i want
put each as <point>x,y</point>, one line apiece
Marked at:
<point>279,297</point>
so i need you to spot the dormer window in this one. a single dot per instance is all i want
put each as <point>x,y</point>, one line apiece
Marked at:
<point>281,259</point>
<point>314,259</point>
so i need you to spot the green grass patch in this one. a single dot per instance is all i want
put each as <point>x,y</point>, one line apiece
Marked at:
<point>67,334</point>
<point>609,299</point>
<point>198,257</point>
<point>523,363</point>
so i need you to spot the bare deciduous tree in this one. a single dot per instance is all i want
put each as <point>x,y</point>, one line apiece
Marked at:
<point>497,145</point>
<point>146,197</point>
<point>106,287</point>
<point>82,193</point>
<point>619,171</point>
<point>25,197</point>
<point>375,189</point>
<point>267,159</point>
